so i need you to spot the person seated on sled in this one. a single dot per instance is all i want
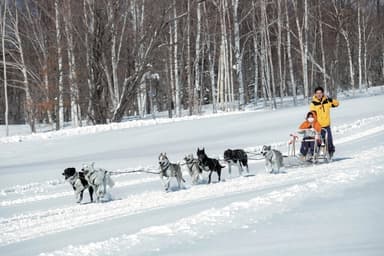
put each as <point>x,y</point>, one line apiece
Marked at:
<point>311,129</point>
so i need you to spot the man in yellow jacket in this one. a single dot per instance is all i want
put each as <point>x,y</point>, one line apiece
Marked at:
<point>322,105</point>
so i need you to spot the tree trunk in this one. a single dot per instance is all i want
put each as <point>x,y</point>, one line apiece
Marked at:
<point>359,45</point>
<point>89,18</point>
<point>197,88</point>
<point>211,61</point>
<point>314,48</point>
<point>189,69</point>
<point>289,53</point>
<point>28,105</point>
<point>238,55</point>
<point>115,96</point>
<point>175,61</point>
<point>74,89</point>
<point>279,59</point>
<point>365,55</point>
<point>271,69</point>
<point>303,44</point>
<point>322,49</point>
<point>172,94</point>
<point>255,53</point>
<point>267,58</point>
<point>5,70</point>
<point>60,121</point>
<point>305,62</point>
<point>349,52</point>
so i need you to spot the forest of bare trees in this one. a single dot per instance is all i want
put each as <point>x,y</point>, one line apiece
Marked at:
<point>97,61</point>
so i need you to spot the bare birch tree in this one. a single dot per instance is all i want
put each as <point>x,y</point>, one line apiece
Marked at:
<point>238,55</point>
<point>60,121</point>
<point>6,109</point>
<point>289,53</point>
<point>73,83</point>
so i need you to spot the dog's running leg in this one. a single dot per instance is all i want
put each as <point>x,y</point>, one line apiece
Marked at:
<point>266,166</point>
<point>219,174</point>
<point>80,197</point>
<point>90,189</point>
<point>180,179</point>
<point>209,177</point>
<point>168,183</point>
<point>245,163</point>
<point>230,169</point>
<point>162,180</point>
<point>240,168</point>
<point>275,169</point>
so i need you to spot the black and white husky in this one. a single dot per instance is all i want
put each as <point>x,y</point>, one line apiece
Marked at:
<point>194,169</point>
<point>209,164</point>
<point>78,183</point>
<point>236,156</point>
<point>169,170</point>
<point>99,179</point>
<point>273,159</point>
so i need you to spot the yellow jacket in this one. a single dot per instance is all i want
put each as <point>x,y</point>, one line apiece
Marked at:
<point>322,108</point>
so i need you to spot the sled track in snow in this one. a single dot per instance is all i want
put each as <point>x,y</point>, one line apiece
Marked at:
<point>45,196</point>
<point>31,225</point>
<point>232,216</point>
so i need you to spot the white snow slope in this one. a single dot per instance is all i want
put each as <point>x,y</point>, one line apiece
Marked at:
<point>324,209</point>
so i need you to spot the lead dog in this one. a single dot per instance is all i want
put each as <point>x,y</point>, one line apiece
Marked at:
<point>194,168</point>
<point>99,179</point>
<point>78,183</point>
<point>236,156</point>
<point>209,164</point>
<point>273,159</point>
<point>169,170</point>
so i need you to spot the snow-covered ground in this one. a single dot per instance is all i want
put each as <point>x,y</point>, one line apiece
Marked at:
<point>327,209</point>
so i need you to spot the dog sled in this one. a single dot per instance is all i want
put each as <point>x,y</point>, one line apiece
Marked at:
<point>318,146</point>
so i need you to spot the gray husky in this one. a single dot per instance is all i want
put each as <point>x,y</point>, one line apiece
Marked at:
<point>273,159</point>
<point>194,168</point>
<point>169,170</point>
<point>99,179</point>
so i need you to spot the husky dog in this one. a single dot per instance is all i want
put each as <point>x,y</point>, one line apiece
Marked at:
<point>237,156</point>
<point>273,159</point>
<point>169,170</point>
<point>194,168</point>
<point>78,183</point>
<point>98,179</point>
<point>209,164</point>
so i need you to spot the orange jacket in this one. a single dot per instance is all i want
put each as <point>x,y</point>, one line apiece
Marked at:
<point>307,125</point>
